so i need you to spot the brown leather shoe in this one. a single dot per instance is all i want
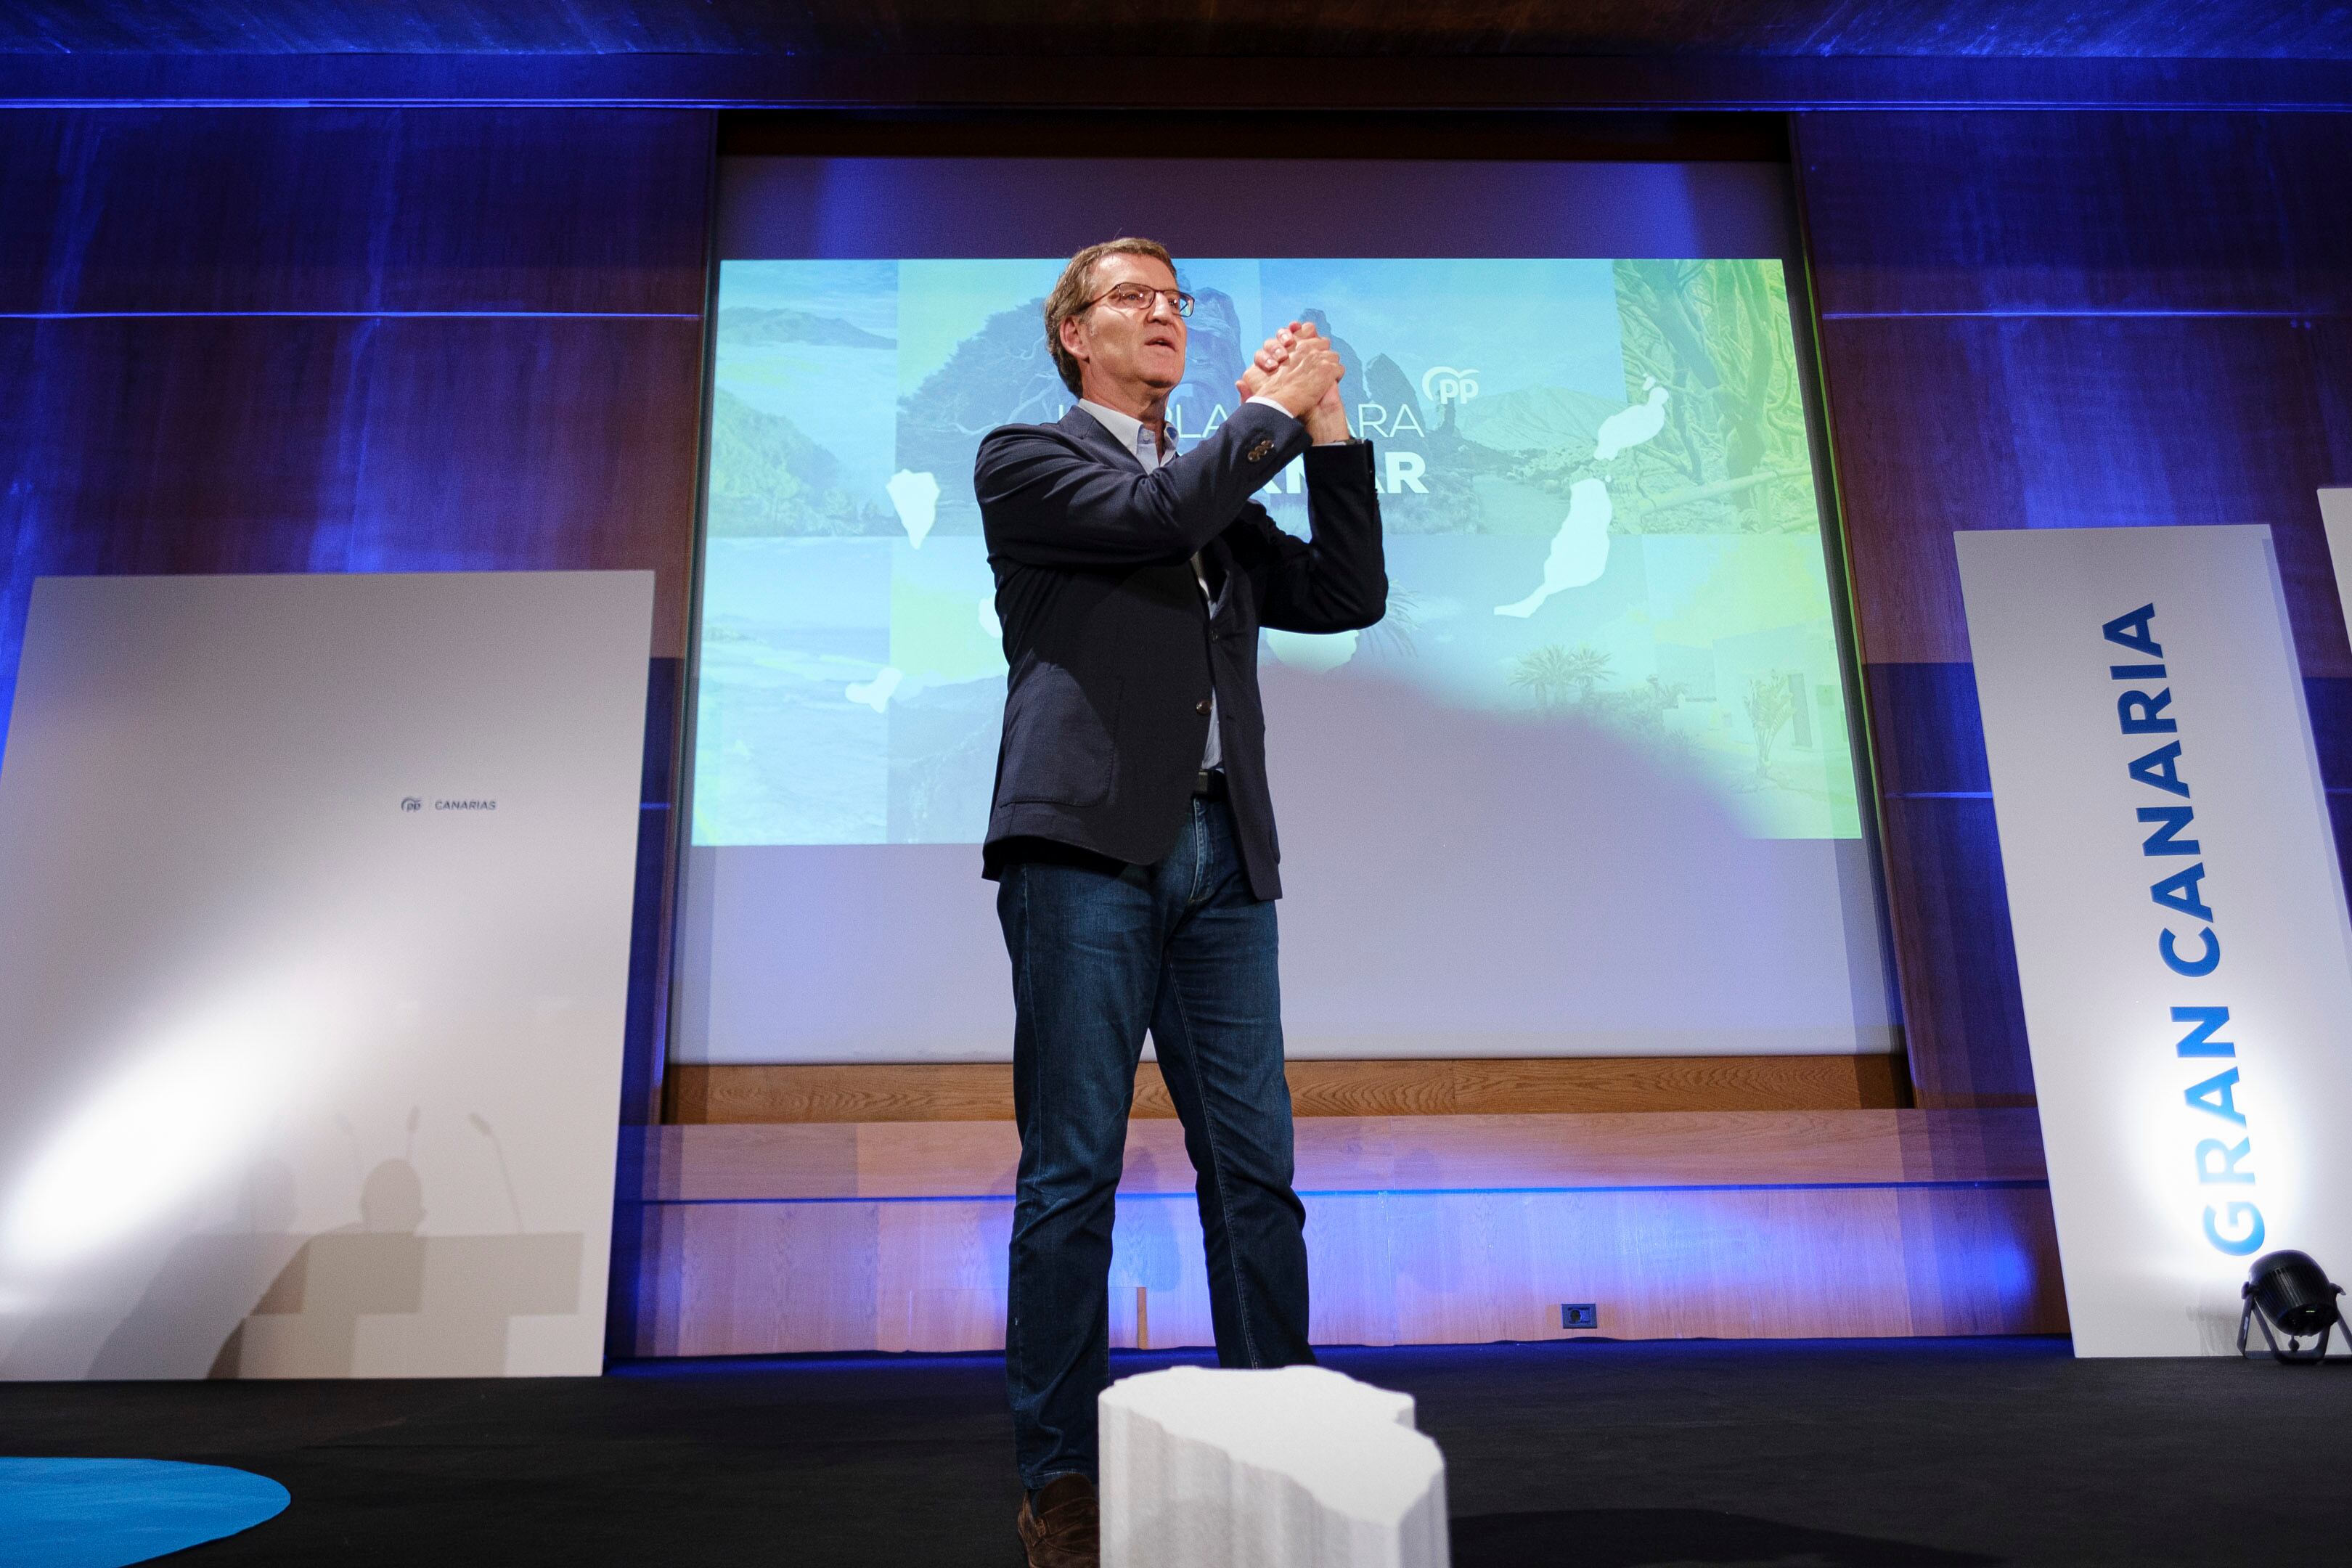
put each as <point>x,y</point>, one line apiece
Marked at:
<point>1062,1525</point>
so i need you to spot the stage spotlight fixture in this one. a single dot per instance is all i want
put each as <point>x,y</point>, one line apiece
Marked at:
<point>2291,1294</point>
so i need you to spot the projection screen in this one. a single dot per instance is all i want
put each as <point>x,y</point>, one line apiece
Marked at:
<point>1589,788</point>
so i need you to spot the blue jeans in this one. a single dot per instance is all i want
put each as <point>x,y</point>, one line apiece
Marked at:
<point>1099,955</point>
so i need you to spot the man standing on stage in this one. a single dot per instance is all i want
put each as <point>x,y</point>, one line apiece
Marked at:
<point>1132,829</point>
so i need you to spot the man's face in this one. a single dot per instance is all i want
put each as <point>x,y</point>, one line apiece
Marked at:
<point>1128,349</point>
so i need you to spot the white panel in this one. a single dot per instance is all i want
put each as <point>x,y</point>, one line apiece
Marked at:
<point>314,924</point>
<point>2335,515</point>
<point>2176,1154</point>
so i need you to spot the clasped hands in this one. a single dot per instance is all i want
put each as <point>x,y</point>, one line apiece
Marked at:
<point>1298,369</point>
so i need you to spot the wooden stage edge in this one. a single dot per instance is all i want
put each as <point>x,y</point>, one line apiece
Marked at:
<point>982,1091</point>
<point>1451,1229</point>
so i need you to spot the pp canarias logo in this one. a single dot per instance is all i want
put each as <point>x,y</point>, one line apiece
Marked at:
<point>410,802</point>
<point>1442,384</point>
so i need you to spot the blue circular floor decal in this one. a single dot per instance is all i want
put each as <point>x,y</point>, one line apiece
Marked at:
<point>103,1513</point>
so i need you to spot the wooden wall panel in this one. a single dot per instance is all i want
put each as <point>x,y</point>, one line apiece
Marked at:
<point>1419,1230</point>
<point>2331,359</point>
<point>2059,319</point>
<point>337,443</point>
<point>1955,955</point>
<point>649,940</point>
<point>1928,730</point>
<point>830,1162</point>
<point>211,357</point>
<point>2081,213</point>
<point>354,210</point>
<point>328,444</point>
<point>980,1092</point>
<point>1945,422</point>
<point>812,1269</point>
<point>2040,422</point>
<point>363,339</point>
<point>1910,470</point>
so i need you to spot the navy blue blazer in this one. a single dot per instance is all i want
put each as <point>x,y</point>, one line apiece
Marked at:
<point>1111,648</point>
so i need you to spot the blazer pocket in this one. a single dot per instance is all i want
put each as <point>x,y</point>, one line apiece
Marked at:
<point>1058,745</point>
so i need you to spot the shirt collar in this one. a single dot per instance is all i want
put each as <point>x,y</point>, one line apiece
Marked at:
<point>1130,430</point>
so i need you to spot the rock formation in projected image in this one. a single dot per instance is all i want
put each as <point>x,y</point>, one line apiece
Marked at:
<point>1386,384</point>
<point>1446,485</point>
<point>1351,363</point>
<point>768,480</point>
<point>1213,361</point>
<point>1445,500</point>
<point>753,326</point>
<point>1001,375</point>
<point>1384,407</point>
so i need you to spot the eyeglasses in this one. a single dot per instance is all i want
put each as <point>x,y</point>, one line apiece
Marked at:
<point>1138,298</point>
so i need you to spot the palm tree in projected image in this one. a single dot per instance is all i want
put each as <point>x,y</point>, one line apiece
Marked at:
<point>1770,709</point>
<point>1551,673</point>
<point>1731,455</point>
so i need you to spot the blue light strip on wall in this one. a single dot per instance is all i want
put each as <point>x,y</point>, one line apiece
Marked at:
<point>1403,1193</point>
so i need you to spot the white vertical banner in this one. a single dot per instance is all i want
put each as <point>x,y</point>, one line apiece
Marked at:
<point>315,899</point>
<point>2182,942</point>
<point>2335,516</point>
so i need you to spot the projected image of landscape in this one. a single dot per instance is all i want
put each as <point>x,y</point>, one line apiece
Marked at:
<point>1596,483</point>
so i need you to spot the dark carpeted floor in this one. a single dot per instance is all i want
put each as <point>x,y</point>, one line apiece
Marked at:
<point>1831,1455</point>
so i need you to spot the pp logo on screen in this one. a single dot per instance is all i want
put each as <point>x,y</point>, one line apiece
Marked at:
<point>1442,383</point>
<point>410,802</point>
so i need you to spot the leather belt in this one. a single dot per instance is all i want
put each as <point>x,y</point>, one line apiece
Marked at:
<point>1208,783</point>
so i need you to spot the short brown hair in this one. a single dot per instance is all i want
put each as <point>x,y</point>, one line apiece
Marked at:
<point>1069,295</point>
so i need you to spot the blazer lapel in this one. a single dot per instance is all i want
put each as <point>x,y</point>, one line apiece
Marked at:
<point>1092,433</point>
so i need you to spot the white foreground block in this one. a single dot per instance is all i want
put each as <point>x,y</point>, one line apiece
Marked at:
<point>1297,1467</point>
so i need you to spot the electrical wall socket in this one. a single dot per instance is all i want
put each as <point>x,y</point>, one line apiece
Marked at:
<point>1580,1314</point>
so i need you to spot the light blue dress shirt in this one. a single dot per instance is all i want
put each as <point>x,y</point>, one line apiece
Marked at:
<point>1144,442</point>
